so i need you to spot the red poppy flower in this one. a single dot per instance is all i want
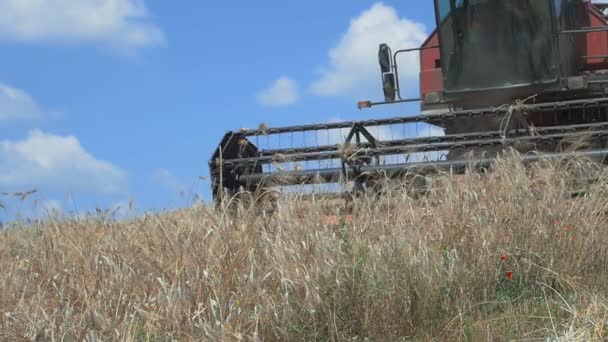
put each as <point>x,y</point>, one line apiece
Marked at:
<point>557,222</point>
<point>503,257</point>
<point>509,275</point>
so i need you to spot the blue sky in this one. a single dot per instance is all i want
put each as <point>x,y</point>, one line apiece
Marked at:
<point>106,101</point>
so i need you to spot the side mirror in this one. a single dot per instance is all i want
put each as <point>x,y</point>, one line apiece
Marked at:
<point>385,57</point>
<point>388,86</point>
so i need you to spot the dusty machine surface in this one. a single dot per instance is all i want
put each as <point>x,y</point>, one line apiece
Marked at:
<point>529,75</point>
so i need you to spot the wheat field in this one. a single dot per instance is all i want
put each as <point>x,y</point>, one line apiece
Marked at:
<point>510,255</point>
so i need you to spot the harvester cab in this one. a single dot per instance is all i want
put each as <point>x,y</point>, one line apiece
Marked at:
<point>496,44</point>
<point>529,75</point>
<point>501,49</point>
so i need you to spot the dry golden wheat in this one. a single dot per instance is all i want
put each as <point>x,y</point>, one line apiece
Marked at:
<point>502,256</point>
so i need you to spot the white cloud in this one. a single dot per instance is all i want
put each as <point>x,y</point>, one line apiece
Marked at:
<point>123,24</point>
<point>168,180</point>
<point>353,63</point>
<point>16,104</point>
<point>55,162</point>
<point>283,92</point>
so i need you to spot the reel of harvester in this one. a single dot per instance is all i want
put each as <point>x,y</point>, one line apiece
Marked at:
<point>357,156</point>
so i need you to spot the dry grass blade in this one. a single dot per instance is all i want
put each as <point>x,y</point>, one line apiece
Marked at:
<point>507,255</point>
<point>263,128</point>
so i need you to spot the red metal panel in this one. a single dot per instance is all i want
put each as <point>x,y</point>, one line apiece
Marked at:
<point>431,78</point>
<point>594,43</point>
<point>431,81</point>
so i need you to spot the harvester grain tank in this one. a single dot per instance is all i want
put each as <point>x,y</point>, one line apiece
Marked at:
<point>529,75</point>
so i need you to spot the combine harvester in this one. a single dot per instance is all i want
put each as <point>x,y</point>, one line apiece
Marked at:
<point>496,75</point>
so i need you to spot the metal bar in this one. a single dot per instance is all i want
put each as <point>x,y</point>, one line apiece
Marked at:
<point>369,137</point>
<point>437,139</point>
<point>374,104</point>
<point>416,49</point>
<point>391,171</point>
<point>586,30</point>
<point>407,149</point>
<point>595,57</point>
<point>396,69</point>
<point>430,118</point>
<point>351,134</point>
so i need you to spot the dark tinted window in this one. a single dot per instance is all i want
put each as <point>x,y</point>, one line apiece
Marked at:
<point>496,43</point>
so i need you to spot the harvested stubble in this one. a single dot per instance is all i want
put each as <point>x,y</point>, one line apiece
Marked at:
<point>503,256</point>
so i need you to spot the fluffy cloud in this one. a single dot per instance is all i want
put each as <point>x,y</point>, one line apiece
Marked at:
<point>353,63</point>
<point>123,24</point>
<point>54,162</point>
<point>283,92</point>
<point>16,104</point>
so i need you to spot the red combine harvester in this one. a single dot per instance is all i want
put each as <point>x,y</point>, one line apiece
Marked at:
<point>529,75</point>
